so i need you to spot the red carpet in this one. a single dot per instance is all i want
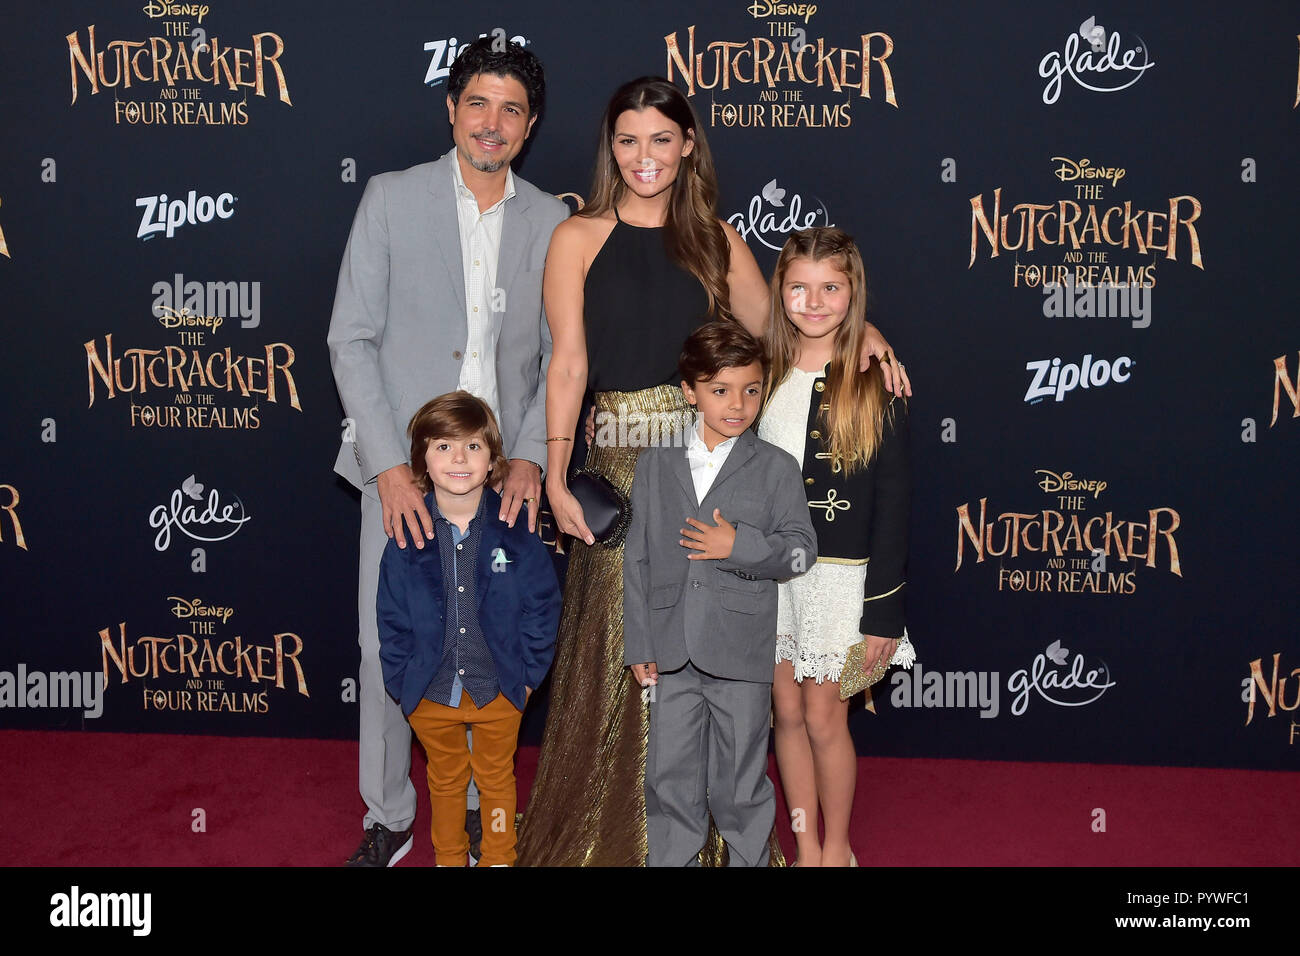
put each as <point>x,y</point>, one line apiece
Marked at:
<point>82,799</point>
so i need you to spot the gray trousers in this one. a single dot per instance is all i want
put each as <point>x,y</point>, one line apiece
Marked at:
<point>707,753</point>
<point>385,758</point>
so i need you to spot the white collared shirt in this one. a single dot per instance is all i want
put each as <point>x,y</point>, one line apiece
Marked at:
<point>705,464</point>
<point>480,246</point>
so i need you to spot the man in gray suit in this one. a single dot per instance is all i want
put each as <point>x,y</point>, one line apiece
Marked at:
<point>440,288</point>
<point>699,605</point>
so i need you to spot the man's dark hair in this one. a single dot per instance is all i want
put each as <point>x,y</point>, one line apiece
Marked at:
<point>722,343</point>
<point>514,61</point>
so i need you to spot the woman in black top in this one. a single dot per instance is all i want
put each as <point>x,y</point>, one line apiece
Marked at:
<point>643,264</point>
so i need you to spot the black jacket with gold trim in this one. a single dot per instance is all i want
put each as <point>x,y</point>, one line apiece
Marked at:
<point>863,518</point>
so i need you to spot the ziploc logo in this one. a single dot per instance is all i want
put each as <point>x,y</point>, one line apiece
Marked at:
<point>1054,380</point>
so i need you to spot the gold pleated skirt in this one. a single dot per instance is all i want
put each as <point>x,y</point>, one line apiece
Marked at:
<point>587,804</point>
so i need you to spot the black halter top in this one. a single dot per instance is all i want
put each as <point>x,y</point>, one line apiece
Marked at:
<point>639,307</point>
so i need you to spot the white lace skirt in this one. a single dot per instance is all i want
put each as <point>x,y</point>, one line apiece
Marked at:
<point>817,617</point>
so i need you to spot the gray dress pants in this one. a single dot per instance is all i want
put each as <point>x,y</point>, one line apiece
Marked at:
<point>707,753</point>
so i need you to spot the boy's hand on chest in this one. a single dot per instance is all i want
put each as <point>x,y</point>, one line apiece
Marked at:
<point>708,542</point>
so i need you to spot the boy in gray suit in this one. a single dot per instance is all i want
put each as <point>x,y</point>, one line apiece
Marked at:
<point>699,604</point>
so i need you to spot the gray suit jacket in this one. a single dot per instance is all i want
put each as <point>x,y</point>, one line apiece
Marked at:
<point>720,615</point>
<point>398,328</point>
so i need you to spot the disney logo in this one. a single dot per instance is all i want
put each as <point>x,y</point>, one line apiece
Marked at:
<point>154,9</point>
<point>194,607</point>
<point>1089,685</point>
<point>1051,482</point>
<point>770,228</point>
<point>189,519</point>
<point>173,319</point>
<point>1079,65</point>
<point>769,8</point>
<point>1069,171</point>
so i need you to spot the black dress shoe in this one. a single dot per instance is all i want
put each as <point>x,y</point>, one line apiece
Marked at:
<point>474,829</point>
<point>381,847</point>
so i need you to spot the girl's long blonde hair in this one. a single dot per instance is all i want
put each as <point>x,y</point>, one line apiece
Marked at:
<point>855,421</point>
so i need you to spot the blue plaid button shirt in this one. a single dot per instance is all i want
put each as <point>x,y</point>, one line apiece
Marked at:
<point>466,663</point>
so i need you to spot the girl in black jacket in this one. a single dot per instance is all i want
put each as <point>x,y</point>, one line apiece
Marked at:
<point>850,436</point>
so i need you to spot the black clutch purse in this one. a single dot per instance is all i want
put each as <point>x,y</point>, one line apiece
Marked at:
<point>604,508</point>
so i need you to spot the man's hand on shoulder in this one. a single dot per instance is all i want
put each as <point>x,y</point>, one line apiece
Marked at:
<point>523,486</point>
<point>401,500</point>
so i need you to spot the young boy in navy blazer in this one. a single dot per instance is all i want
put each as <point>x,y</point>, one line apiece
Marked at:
<point>713,527</point>
<point>466,625</point>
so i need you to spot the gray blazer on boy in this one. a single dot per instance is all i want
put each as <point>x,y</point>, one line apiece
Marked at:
<point>720,615</point>
<point>710,628</point>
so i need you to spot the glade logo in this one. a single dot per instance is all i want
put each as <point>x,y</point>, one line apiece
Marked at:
<point>155,9</point>
<point>190,519</point>
<point>760,9</point>
<point>445,53</point>
<point>1093,68</point>
<point>1052,379</point>
<point>172,215</point>
<point>770,226</point>
<point>1066,685</point>
<point>1062,685</point>
<point>29,688</point>
<point>179,304</point>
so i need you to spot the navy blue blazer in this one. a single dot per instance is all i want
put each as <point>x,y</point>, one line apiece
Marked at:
<point>518,609</point>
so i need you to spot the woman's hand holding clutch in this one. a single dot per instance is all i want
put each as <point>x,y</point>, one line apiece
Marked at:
<point>567,511</point>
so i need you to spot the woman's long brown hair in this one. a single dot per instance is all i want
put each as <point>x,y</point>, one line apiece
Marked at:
<point>692,233</point>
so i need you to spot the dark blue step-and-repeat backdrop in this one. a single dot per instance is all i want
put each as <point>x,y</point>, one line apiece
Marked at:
<point>1079,223</point>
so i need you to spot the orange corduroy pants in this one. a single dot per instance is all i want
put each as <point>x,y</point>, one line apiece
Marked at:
<point>441,730</point>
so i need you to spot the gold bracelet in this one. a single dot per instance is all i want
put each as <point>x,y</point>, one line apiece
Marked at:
<point>559,439</point>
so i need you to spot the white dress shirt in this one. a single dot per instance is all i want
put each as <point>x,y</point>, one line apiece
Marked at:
<point>480,245</point>
<point>705,464</point>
